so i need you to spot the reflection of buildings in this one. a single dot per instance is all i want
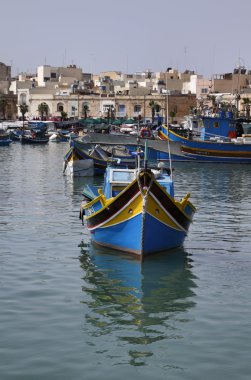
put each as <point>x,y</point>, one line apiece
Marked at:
<point>136,300</point>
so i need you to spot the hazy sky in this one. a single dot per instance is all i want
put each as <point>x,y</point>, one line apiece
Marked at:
<point>208,36</point>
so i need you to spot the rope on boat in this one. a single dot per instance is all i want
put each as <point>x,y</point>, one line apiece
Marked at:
<point>144,195</point>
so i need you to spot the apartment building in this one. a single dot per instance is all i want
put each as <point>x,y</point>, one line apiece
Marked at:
<point>8,100</point>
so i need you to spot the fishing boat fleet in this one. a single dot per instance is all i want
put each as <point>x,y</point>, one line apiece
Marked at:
<point>204,138</point>
<point>35,132</point>
<point>135,211</point>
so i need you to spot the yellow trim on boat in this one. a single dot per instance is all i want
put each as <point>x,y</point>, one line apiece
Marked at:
<point>104,201</point>
<point>176,134</point>
<point>188,149</point>
<point>132,209</point>
<point>158,212</point>
<point>91,203</point>
<point>177,203</point>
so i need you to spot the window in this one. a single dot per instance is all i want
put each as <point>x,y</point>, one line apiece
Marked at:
<point>60,107</point>
<point>22,98</point>
<point>53,75</point>
<point>85,106</point>
<point>137,108</point>
<point>121,108</point>
<point>204,90</point>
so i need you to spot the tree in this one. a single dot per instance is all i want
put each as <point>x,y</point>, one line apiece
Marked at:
<point>112,113</point>
<point>43,109</point>
<point>154,108</point>
<point>246,103</point>
<point>85,110</point>
<point>213,100</point>
<point>172,115</point>
<point>3,104</point>
<point>64,115</point>
<point>23,109</point>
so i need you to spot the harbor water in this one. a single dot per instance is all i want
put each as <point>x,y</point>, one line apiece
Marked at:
<point>71,311</point>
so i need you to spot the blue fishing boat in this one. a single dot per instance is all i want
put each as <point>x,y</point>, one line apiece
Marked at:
<point>34,138</point>
<point>29,136</point>
<point>136,211</point>
<point>4,139</point>
<point>217,139</point>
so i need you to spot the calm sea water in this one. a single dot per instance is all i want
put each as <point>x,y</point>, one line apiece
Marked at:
<point>70,311</point>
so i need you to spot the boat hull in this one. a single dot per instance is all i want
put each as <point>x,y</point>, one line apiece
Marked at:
<point>5,142</point>
<point>140,236</point>
<point>33,141</point>
<point>213,151</point>
<point>80,168</point>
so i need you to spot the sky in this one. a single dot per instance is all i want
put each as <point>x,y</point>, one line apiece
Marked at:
<point>207,36</point>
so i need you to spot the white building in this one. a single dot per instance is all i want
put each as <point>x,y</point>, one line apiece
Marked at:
<point>52,74</point>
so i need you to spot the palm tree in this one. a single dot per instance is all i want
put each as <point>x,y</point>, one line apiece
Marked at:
<point>23,109</point>
<point>43,109</point>
<point>154,107</point>
<point>172,115</point>
<point>3,104</point>
<point>108,114</point>
<point>63,115</point>
<point>85,110</point>
<point>213,100</point>
<point>246,103</point>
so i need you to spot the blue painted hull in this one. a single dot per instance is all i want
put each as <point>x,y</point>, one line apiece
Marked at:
<point>138,237</point>
<point>34,141</point>
<point>213,151</point>
<point>5,142</point>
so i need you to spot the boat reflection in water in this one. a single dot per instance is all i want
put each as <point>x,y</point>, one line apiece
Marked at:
<point>141,303</point>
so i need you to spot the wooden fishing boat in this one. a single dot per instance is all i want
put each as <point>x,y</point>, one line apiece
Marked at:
<point>136,211</point>
<point>84,160</point>
<point>4,138</point>
<point>219,138</point>
<point>33,137</point>
<point>25,139</point>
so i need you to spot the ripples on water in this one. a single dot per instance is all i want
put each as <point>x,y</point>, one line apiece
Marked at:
<point>72,311</point>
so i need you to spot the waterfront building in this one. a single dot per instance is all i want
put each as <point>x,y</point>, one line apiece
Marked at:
<point>238,81</point>
<point>5,78</point>
<point>8,100</point>
<point>69,74</point>
<point>70,91</point>
<point>123,106</point>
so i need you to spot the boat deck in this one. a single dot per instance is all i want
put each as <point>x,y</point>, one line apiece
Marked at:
<point>106,139</point>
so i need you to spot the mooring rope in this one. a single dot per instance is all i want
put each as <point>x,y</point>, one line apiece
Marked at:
<point>144,205</point>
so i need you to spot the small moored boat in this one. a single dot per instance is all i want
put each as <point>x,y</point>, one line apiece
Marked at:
<point>4,138</point>
<point>87,160</point>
